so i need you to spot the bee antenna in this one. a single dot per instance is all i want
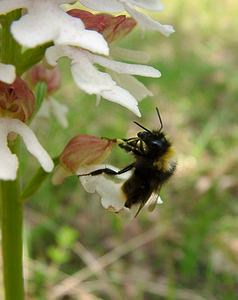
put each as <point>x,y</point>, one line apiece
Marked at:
<point>161,123</point>
<point>142,126</point>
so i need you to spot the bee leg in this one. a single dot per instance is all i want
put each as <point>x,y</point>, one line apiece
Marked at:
<point>109,171</point>
<point>124,144</point>
<point>130,148</point>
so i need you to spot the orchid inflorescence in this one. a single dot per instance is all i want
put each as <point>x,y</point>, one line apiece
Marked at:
<point>41,33</point>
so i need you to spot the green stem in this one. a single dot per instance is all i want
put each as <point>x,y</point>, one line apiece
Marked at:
<point>11,206</point>
<point>11,50</point>
<point>31,57</point>
<point>12,221</point>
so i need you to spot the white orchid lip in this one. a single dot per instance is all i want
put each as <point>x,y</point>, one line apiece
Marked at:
<point>112,197</point>
<point>46,21</point>
<point>9,162</point>
<point>7,73</point>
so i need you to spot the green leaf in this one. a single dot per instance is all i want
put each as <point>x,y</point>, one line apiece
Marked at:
<point>40,92</point>
<point>41,89</point>
<point>30,57</point>
<point>36,182</point>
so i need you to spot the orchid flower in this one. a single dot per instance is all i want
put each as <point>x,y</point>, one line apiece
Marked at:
<point>131,6</point>
<point>46,21</point>
<point>50,106</point>
<point>116,84</point>
<point>84,154</point>
<point>92,81</point>
<point>16,107</point>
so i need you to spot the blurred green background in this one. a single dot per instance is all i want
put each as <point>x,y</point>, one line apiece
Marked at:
<point>187,248</point>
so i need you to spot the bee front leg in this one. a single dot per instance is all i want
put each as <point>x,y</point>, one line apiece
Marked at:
<point>130,148</point>
<point>109,171</point>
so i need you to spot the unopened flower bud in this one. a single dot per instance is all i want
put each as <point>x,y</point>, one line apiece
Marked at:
<point>111,27</point>
<point>16,100</point>
<point>85,150</point>
<point>50,76</point>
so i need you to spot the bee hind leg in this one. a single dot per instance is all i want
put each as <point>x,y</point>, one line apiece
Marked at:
<point>109,171</point>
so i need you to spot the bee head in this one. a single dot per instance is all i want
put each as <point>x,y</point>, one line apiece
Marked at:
<point>155,141</point>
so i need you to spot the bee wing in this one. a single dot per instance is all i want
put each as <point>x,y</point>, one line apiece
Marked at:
<point>151,203</point>
<point>154,200</point>
<point>139,209</point>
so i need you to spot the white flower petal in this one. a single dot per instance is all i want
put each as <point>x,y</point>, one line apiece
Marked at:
<point>34,147</point>
<point>30,140</point>
<point>112,197</point>
<point>7,73</point>
<point>7,6</point>
<point>10,5</point>
<point>121,67</point>
<point>8,161</point>
<point>45,21</point>
<point>122,97</point>
<point>92,81</point>
<point>136,88</point>
<point>104,5</point>
<point>88,78</point>
<point>148,4</point>
<point>135,56</point>
<point>72,33</point>
<point>148,23</point>
<point>117,5</point>
<point>44,111</point>
<point>129,5</point>
<point>53,54</point>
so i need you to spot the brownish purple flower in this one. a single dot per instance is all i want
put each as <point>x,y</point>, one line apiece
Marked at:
<point>85,150</point>
<point>16,100</point>
<point>111,27</point>
<point>50,76</point>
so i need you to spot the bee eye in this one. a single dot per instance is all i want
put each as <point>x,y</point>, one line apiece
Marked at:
<point>142,135</point>
<point>156,143</point>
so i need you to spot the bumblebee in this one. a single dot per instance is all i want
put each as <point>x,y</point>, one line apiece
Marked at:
<point>154,164</point>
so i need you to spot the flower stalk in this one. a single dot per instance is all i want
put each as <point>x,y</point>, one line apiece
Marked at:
<point>11,207</point>
<point>12,224</point>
